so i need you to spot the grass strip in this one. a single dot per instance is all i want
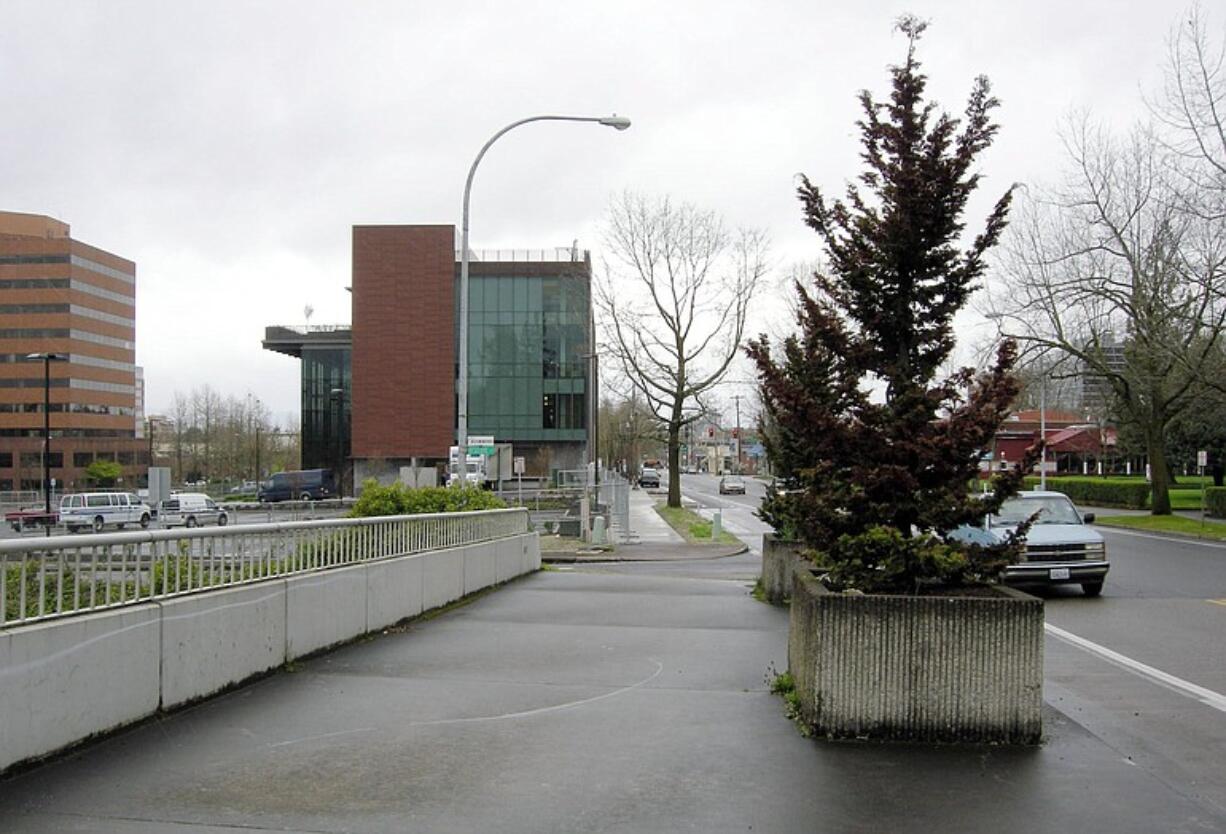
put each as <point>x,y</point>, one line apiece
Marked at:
<point>693,528</point>
<point>1178,524</point>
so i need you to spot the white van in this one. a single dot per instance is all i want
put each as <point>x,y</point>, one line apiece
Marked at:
<point>189,509</point>
<point>98,510</point>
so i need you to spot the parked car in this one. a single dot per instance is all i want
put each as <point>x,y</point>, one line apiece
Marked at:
<point>26,519</point>
<point>1061,547</point>
<point>244,487</point>
<point>191,509</point>
<point>732,485</point>
<point>301,484</point>
<point>649,478</point>
<point>98,510</point>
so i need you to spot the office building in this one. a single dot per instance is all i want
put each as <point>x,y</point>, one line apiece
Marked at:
<point>380,395</point>
<point>59,295</point>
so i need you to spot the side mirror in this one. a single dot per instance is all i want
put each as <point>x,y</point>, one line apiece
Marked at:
<point>1088,518</point>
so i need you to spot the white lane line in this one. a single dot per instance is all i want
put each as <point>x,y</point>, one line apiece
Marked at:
<point>1199,693</point>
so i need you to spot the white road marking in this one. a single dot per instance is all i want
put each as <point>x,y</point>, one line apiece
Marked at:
<point>1199,693</point>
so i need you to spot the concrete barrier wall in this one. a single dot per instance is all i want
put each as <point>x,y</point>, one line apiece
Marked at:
<point>393,591</point>
<point>65,680</point>
<point>211,641</point>
<point>323,609</point>
<point>480,567</point>
<point>442,579</point>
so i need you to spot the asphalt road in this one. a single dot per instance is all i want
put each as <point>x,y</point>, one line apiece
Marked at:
<point>1143,667</point>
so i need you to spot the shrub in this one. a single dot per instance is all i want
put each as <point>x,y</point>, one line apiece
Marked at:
<point>1215,501</point>
<point>398,499</point>
<point>1099,492</point>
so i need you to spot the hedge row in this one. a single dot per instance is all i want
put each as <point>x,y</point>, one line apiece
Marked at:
<point>1098,492</point>
<point>398,499</point>
<point>1215,501</point>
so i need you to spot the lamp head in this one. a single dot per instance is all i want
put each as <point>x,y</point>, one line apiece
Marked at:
<point>616,121</point>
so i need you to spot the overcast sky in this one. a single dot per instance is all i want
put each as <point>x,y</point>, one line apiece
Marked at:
<point>228,147</point>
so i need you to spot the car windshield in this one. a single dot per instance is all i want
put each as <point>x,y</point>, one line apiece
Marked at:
<point>1055,509</point>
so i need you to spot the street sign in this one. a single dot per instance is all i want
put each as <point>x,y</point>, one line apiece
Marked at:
<point>1202,458</point>
<point>481,444</point>
<point>518,465</point>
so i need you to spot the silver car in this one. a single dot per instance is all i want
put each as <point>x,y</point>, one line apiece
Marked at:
<point>1061,547</point>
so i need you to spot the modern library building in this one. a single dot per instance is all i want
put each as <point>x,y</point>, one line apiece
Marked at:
<point>380,394</point>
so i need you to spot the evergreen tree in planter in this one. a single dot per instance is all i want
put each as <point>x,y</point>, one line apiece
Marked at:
<point>870,482</point>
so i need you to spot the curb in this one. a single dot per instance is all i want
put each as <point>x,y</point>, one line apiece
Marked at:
<point>1160,534</point>
<point>578,557</point>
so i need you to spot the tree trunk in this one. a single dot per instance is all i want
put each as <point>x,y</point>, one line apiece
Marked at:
<point>1160,477</point>
<point>674,463</point>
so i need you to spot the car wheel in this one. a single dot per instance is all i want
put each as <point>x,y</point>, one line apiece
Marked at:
<point>191,521</point>
<point>306,496</point>
<point>144,521</point>
<point>1092,589</point>
<point>98,524</point>
<point>222,519</point>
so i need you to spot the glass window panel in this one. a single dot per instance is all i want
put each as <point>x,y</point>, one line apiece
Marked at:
<point>506,295</point>
<point>521,294</point>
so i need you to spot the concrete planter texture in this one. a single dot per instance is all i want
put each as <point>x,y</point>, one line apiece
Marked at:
<point>779,558</point>
<point>929,669</point>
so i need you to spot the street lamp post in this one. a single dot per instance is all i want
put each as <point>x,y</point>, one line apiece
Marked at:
<point>614,121</point>
<point>47,359</point>
<point>1043,429</point>
<point>337,395</point>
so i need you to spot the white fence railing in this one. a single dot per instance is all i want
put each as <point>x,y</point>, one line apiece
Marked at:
<point>61,575</point>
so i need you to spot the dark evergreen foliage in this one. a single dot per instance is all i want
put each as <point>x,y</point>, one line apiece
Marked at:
<point>870,482</point>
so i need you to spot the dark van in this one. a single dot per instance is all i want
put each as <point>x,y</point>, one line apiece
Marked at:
<point>300,484</point>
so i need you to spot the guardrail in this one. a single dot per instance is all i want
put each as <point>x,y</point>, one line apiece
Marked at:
<point>62,575</point>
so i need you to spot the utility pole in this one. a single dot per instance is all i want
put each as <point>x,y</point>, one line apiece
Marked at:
<point>737,399</point>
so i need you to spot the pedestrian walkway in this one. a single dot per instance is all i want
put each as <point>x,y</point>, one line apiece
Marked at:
<point>626,697</point>
<point>647,523</point>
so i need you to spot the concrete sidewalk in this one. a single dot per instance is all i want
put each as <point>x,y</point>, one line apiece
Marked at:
<point>629,697</point>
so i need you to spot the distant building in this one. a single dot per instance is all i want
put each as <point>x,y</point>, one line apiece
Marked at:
<point>381,394</point>
<point>1096,394</point>
<point>59,295</point>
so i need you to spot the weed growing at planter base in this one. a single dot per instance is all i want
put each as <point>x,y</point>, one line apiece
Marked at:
<point>783,684</point>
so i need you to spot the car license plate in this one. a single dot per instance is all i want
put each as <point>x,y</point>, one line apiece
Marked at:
<point>1059,573</point>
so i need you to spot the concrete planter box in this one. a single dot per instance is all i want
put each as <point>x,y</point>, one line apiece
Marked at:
<point>779,558</point>
<point>932,669</point>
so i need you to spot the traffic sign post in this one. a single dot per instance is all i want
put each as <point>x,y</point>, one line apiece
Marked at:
<point>482,444</point>
<point>1202,460</point>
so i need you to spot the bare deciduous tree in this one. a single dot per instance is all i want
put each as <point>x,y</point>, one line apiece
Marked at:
<point>673,298</point>
<point>1113,271</point>
<point>1192,108</point>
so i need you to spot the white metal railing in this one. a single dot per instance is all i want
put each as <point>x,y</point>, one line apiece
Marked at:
<point>558,254</point>
<point>61,575</point>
